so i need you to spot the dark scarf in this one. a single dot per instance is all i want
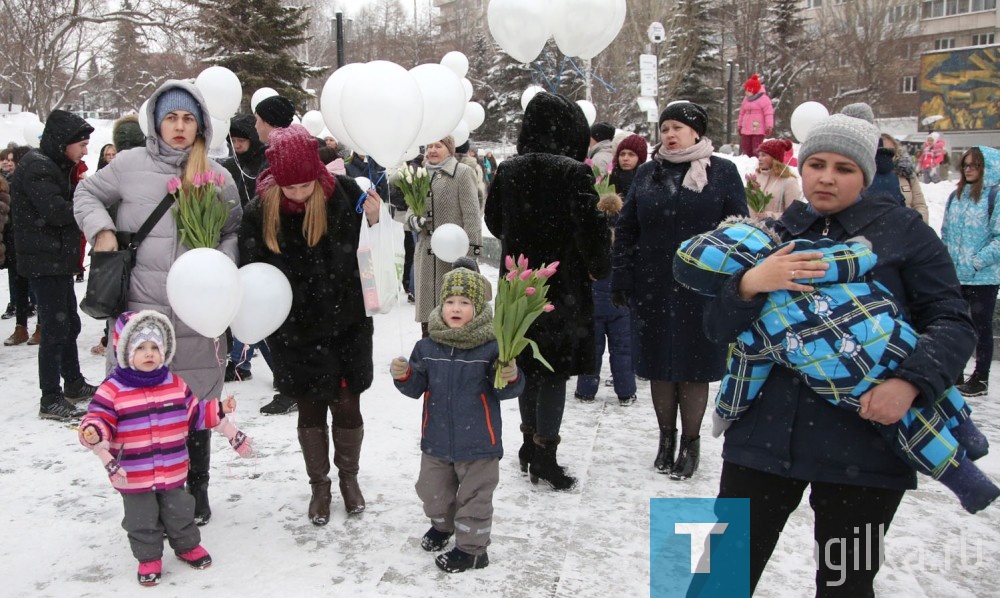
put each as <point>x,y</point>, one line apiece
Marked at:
<point>138,379</point>
<point>477,332</point>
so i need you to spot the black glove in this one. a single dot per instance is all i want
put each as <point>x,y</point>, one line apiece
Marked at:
<point>619,298</point>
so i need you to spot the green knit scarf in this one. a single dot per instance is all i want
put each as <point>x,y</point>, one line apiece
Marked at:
<point>477,332</point>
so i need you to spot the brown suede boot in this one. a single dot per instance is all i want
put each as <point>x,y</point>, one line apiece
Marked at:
<point>36,336</point>
<point>20,336</point>
<point>346,455</point>
<point>316,451</point>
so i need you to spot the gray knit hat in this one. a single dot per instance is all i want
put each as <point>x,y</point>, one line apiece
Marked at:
<point>177,99</point>
<point>859,110</point>
<point>845,135</point>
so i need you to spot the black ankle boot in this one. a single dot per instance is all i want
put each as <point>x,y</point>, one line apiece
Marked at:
<point>544,465</point>
<point>976,386</point>
<point>665,453</point>
<point>687,459</point>
<point>527,450</point>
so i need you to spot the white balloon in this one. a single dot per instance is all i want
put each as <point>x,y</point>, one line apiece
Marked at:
<point>33,133</point>
<point>449,242</point>
<point>203,289</point>
<point>475,115</point>
<point>456,62</point>
<point>222,91</point>
<point>313,122</point>
<point>220,129</point>
<point>468,89</point>
<point>805,116</point>
<point>411,153</point>
<point>268,299</point>
<point>444,101</point>
<point>610,32</point>
<point>329,104</point>
<point>461,133</point>
<point>382,107</point>
<point>576,24</point>
<point>588,110</point>
<point>143,118</point>
<point>520,27</point>
<point>529,93</point>
<point>364,182</point>
<point>260,94</point>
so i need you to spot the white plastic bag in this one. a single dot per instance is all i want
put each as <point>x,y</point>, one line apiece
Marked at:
<point>377,264</point>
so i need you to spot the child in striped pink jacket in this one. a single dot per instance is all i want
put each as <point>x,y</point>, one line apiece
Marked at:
<point>137,424</point>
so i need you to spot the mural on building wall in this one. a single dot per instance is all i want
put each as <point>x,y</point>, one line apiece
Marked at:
<point>959,90</point>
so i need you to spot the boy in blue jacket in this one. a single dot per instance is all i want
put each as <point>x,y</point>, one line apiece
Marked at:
<point>460,435</point>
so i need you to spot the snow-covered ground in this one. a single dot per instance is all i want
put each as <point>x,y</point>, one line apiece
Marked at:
<point>61,518</point>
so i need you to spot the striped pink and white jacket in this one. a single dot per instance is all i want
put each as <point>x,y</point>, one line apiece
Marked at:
<point>147,428</point>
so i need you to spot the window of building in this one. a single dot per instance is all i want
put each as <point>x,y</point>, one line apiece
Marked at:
<point>944,43</point>
<point>945,8</point>
<point>983,39</point>
<point>901,14</point>
<point>909,85</point>
<point>814,3</point>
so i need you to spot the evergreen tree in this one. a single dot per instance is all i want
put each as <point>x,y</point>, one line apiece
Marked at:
<point>500,85</point>
<point>130,82</point>
<point>786,56</point>
<point>694,62</point>
<point>255,39</point>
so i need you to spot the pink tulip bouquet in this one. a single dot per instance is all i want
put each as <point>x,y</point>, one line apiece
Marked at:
<point>521,298</point>
<point>602,180</point>
<point>757,199</point>
<point>200,212</point>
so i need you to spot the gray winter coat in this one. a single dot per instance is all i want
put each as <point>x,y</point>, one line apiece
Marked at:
<point>135,182</point>
<point>454,200</point>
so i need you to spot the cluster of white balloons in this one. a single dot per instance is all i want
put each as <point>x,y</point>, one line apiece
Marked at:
<point>385,111</point>
<point>33,132</point>
<point>207,292</point>
<point>589,110</point>
<point>582,28</point>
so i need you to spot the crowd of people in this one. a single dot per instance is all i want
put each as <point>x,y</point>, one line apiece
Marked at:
<point>294,204</point>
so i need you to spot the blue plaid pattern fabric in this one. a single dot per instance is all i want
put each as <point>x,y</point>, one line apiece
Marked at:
<point>843,338</point>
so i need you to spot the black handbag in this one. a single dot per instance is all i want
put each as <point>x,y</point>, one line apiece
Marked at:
<point>111,271</point>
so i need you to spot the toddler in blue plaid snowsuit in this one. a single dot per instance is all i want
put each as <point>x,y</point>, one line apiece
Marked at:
<point>843,338</point>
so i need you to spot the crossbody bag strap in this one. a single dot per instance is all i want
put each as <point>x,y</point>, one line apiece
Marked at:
<point>150,222</point>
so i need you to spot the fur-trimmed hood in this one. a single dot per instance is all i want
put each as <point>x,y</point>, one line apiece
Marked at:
<point>132,321</point>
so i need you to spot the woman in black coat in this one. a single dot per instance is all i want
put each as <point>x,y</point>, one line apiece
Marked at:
<point>542,204</point>
<point>303,222</point>
<point>791,437</point>
<point>682,192</point>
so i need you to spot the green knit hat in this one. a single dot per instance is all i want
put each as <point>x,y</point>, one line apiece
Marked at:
<point>465,283</point>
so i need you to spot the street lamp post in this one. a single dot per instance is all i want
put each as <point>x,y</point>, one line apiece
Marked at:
<point>83,100</point>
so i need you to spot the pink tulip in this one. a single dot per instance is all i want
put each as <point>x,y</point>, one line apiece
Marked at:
<point>530,291</point>
<point>511,276</point>
<point>509,262</point>
<point>526,274</point>
<point>522,262</point>
<point>545,272</point>
<point>554,265</point>
<point>548,307</point>
<point>173,185</point>
<point>588,162</point>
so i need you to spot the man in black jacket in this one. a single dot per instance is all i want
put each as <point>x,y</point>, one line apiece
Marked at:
<point>249,158</point>
<point>47,240</point>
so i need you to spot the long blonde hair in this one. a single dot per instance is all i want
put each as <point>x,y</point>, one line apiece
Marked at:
<point>313,226</point>
<point>197,161</point>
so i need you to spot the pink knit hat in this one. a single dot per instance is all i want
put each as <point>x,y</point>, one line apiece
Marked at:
<point>293,158</point>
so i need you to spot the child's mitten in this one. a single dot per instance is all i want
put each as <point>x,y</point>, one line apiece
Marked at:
<point>399,367</point>
<point>241,443</point>
<point>111,465</point>
<point>509,372</point>
<point>719,425</point>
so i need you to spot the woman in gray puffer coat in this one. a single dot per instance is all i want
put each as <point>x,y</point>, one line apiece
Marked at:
<point>135,183</point>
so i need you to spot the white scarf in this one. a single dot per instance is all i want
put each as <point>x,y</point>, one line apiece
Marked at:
<point>698,155</point>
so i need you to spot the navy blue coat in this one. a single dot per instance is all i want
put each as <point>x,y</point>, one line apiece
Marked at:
<point>461,418</point>
<point>790,431</point>
<point>668,342</point>
<point>46,235</point>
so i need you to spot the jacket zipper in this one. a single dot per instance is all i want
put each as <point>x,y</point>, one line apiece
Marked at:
<point>826,226</point>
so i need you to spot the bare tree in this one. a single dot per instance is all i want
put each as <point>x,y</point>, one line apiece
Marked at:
<point>48,44</point>
<point>861,45</point>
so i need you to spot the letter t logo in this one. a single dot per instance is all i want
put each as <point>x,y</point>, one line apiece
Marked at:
<point>701,559</point>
